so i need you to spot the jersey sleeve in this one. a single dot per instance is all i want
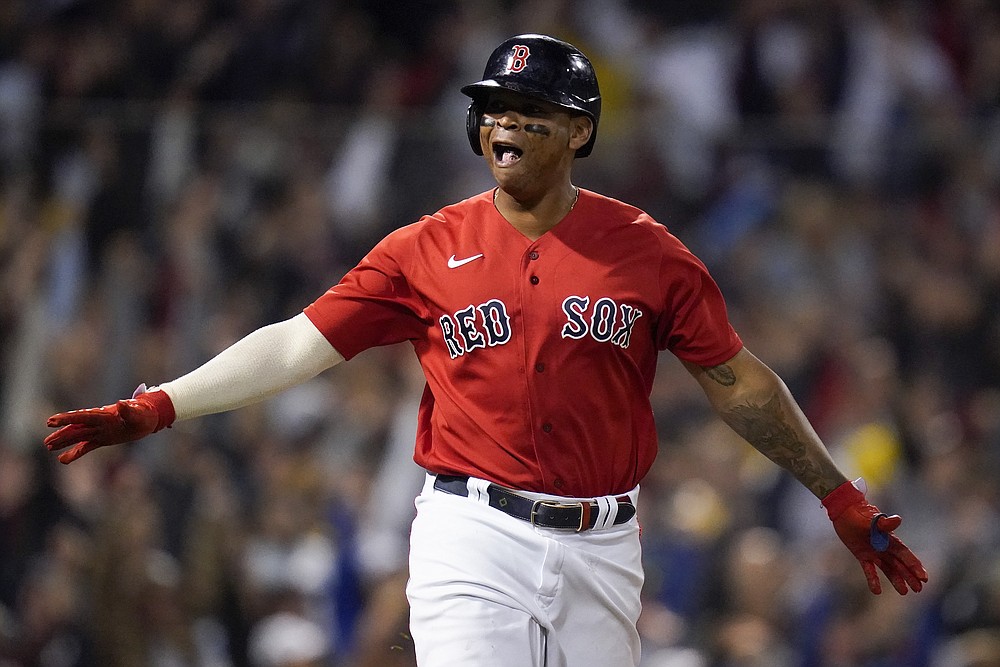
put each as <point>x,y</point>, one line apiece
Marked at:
<point>695,325</point>
<point>373,304</point>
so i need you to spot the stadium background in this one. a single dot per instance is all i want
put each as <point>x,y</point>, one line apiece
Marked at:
<point>176,173</point>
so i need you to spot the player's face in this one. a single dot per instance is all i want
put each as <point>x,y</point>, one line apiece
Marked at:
<point>529,144</point>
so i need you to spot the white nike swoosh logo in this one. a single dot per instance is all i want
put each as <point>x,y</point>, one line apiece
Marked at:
<point>455,263</point>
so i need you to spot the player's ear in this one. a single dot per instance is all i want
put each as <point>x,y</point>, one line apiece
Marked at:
<point>581,127</point>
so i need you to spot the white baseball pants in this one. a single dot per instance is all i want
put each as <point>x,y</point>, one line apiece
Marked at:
<point>490,590</point>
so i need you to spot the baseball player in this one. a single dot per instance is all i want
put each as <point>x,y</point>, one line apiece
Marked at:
<point>537,310</point>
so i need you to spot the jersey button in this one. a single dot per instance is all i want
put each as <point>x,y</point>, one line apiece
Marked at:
<point>533,280</point>
<point>540,367</point>
<point>533,255</point>
<point>558,483</point>
<point>547,427</point>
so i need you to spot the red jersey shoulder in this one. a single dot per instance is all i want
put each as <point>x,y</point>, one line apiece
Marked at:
<point>455,213</point>
<point>613,214</point>
<point>609,205</point>
<point>430,228</point>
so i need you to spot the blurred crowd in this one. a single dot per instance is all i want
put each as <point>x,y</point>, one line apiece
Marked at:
<point>176,173</point>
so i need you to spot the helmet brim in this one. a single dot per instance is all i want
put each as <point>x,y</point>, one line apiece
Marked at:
<point>477,91</point>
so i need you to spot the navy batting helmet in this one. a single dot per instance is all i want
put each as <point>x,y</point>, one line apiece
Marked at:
<point>541,67</point>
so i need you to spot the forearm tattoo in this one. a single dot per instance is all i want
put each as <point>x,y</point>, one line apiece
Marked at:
<point>771,430</point>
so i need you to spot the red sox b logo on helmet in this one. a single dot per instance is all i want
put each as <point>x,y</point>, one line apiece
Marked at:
<point>518,58</point>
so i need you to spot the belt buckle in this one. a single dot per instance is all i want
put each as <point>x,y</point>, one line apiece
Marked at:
<point>557,506</point>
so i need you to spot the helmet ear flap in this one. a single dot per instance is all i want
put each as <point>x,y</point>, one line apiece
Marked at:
<point>472,120</point>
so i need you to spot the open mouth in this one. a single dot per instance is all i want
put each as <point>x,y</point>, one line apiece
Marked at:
<point>504,155</point>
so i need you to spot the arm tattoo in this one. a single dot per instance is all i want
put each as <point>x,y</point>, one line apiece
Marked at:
<point>722,374</point>
<point>772,432</point>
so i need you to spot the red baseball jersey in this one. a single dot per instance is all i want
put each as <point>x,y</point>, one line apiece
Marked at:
<point>539,355</point>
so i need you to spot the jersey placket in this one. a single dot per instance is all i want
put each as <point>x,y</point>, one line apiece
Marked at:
<point>535,308</point>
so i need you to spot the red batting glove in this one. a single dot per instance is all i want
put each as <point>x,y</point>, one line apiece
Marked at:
<point>125,421</point>
<point>867,532</point>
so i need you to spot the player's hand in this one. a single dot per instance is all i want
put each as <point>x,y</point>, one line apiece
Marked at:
<point>867,532</point>
<point>82,431</point>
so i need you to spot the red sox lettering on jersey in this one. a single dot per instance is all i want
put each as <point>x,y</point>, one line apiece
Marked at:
<point>608,322</point>
<point>488,324</point>
<point>539,355</point>
<point>463,334</point>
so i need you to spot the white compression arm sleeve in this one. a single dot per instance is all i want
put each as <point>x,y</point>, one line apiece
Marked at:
<point>264,363</point>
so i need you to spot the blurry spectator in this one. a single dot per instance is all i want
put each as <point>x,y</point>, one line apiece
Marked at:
<point>898,87</point>
<point>286,639</point>
<point>976,648</point>
<point>289,553</point>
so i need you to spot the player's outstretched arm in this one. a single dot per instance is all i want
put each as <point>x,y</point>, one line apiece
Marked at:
<point>755,403</point>
<point>262,364</point>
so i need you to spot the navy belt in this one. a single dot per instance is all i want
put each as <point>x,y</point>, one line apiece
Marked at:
<point>572,515</point>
